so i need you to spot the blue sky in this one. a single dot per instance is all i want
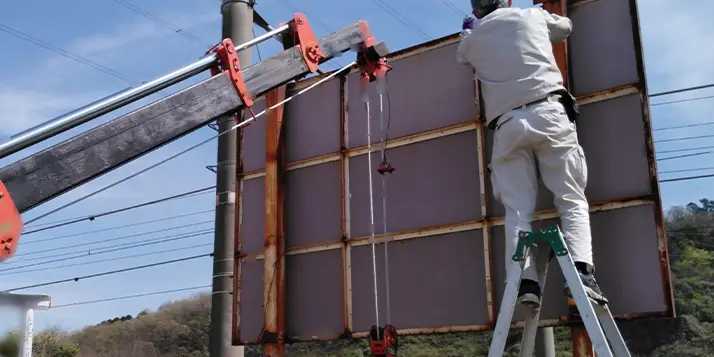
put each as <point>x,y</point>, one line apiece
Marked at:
<point>37,85</point>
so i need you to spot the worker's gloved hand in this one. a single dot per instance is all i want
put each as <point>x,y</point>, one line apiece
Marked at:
<point>469,23</point>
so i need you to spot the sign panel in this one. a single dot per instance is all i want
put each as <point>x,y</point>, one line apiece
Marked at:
<point>445,230</point>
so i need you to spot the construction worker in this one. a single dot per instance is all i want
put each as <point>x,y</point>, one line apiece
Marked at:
<point>533,117</point>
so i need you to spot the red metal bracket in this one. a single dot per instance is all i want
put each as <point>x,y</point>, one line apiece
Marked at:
<point>387,345</point>
<point>10,225</point>
<point>302,36</point>
<point>228,62</point>
<point>370,57</point>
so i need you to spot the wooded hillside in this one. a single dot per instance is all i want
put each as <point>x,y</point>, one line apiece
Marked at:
<point>180,329</point>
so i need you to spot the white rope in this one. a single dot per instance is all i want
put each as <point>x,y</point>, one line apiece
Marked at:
<point>371,211</point>
<point>241,124</point>
<point>384,207</point>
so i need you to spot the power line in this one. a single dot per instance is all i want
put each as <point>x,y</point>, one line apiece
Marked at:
<point>120,210</point>
<point>172,239</point>
<point>688,178</point>
<point>685,138</point>
<point>162,22</point>
<point>108,260</point>
<point>395,14</point>
<point>682,156</point>
<point>162,292</point>
<point>682,90</point>
<point>111,272</point>
<point>454,8</point>
<point>687,170</point>
<point>84,244</point>
<point>682,100</point>
<point>686,126</point>
<point>685,149</point>
<point>117,227</point>
<point>21,35</point>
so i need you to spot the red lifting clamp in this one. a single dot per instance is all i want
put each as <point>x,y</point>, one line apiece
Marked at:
<point>370,58</point>
<point>387,345</point>
<point>385,166</point>
<point>301,35</point>
<point>228,62</point>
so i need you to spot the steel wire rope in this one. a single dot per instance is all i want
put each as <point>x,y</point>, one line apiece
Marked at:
<point>117,227</point>
<point>114,239</point>
<point>384,206</point>
<point>92,217</point>
<point>686,178</point>
<point>682,138</point>
<point>454,8</point>
<point>137,245</point>
<point>125,297</point>
<point>190,148</point>
<point>686,125</point>
<point>63,266</point>
<point>687,170</point>
<point>111,272</point>
<point>371,212</point>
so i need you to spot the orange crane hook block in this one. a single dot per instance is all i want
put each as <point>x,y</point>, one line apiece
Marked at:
<point>10,225</point>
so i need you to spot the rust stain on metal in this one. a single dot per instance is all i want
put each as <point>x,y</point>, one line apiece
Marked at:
<point>274,261</point>
<point>665,271</point>
<point>611,93</point>
<point>582,346</point>
<point>345,207</point>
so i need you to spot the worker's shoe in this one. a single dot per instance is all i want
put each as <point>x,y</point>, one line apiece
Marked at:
<point>588,279</point>
<point>529,293</point>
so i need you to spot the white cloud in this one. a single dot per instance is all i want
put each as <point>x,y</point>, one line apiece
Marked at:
<point>22,108</point>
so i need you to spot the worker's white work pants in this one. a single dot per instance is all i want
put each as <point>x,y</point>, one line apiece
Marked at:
<point>540,138</point>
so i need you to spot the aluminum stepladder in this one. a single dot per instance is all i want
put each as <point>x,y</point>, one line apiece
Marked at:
<point>596,317</point>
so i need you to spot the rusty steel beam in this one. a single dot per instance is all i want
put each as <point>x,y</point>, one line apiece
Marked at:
<point>582,346</point>
<point>444,229</point>
<point>362,150</point>
<point>665,271</point>
<point>560,51</point>
<point>345,206</point>
<point>274,260</point>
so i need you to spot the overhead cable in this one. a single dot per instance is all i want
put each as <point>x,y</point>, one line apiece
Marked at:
<point>111,272</point>
<point>117,227</point>
<point>238,125</point>
<point>63,266</point>
<point>685,138</point>
<point>172,239</point>
<point>683,156</point>
<point>21,35</point>
<point>161,292</point>
<point>688,178</point>
<point>162,22</point>
<point>114,239</point>
<point>684,149</point>
<point>395,14</point>
<point>454,8</point>
<point>687,170</point>
<point>686,125</point>
<point>682,90</point>
<point>124,209</point>
<point>682,100</point>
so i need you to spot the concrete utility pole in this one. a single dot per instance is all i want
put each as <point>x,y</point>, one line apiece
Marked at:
<point>545,342</point>
<point>28,304</point>
<point>238,26</point>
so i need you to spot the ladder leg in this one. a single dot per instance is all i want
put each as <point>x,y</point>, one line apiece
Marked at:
<point>619,347</point>
<point>585,307</point>
<point>531,328</point>
<point>505,312</point>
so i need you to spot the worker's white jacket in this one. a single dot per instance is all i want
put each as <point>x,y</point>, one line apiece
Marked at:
<point>512,53</point>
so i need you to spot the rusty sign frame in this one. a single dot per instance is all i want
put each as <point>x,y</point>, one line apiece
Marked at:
<point>486,224</point>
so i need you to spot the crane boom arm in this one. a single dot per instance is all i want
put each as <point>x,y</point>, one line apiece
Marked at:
<point>62,167</point>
